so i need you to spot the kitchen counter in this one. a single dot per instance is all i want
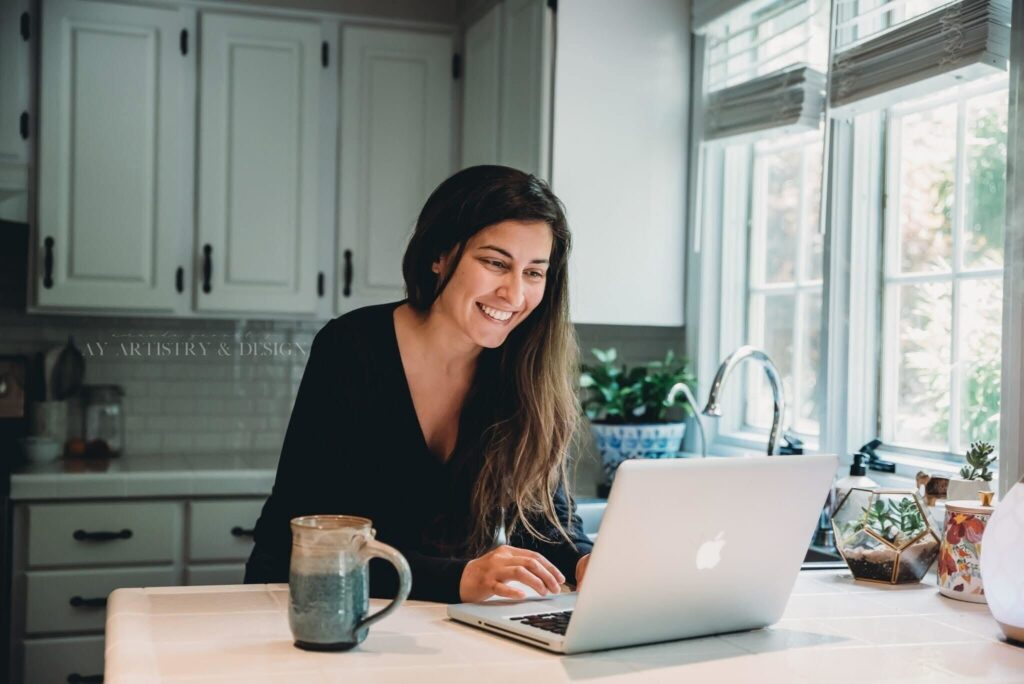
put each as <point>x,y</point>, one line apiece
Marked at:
<point>834,630</point>
<point>219,474</point>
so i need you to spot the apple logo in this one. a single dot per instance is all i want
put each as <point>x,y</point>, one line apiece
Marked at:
<point>710,552</point>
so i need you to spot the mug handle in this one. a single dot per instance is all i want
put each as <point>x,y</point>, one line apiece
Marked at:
<point>375,549</point>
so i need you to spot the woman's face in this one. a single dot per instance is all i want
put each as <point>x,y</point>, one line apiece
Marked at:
<point>498,282</point>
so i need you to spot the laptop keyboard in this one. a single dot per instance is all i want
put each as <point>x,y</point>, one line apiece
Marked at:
<point>552,622</point>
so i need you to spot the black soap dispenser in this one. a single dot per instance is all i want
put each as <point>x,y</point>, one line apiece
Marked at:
<point>857,478</point>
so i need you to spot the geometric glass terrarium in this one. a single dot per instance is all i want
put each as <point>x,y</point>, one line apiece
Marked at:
<point>885,535</point>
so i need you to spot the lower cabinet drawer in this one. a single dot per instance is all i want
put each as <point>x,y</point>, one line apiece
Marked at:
<point>74,659</point>
<point>222,530</point>
<point>107,533</point>
<point>75,600</point>
<point>228,573</point>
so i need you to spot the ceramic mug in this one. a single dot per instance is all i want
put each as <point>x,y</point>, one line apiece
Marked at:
<point>959,568</point>
<point>329,581</point>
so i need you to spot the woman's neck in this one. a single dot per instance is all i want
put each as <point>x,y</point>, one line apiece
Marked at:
<point>437,340</point>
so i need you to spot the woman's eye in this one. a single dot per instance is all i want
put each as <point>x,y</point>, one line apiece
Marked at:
<point>536,275</point>
<point>494,263</point>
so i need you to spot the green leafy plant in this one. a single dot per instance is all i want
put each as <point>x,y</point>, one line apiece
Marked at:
<point>896,521</point>
<point>617,394</point>
<point>978,462</point>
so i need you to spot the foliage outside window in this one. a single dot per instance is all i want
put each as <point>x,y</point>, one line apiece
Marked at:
<point>943,256</point>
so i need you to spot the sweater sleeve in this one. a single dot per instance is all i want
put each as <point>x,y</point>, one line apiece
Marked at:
<point>559,551</point>
<point>315,475</point>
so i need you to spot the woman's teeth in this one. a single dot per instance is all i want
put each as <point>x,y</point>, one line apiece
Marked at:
<point>497,315</point>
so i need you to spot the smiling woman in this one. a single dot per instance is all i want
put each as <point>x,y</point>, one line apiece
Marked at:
<point>471,381</point>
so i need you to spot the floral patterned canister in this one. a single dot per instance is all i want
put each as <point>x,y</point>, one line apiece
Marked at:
<point>959,573</point>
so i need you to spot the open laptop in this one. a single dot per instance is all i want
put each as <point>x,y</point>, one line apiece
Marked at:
<point>687,548</point>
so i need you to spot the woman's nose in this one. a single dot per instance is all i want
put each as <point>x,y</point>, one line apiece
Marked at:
<point>512,291</point>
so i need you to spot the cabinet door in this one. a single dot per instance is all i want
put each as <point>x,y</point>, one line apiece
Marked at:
<point>14,108</point>
<point>69,659</point>
<point>396,147</point>
<point>481,89</point>
<point>110,170</point>
<point>259,103</point>
<point>524,128</point>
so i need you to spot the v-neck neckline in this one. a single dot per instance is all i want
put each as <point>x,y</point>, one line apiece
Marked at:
<point>411,403</point>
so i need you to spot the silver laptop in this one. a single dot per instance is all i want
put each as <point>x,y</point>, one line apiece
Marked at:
<point>687,548</point>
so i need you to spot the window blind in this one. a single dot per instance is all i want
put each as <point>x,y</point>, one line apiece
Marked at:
<point>764,67</point>
<point>892,51</point>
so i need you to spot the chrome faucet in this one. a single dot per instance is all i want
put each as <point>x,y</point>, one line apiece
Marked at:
<point>774,379</point>
<point>692,401</point>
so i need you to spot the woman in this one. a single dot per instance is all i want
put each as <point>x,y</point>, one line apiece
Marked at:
<point>447,415</point>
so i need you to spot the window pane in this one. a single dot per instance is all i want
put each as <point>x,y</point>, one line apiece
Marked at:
<point>814,239</point>
<point>807,409</point>
<point>777,316</point>
<point>981,315</point>
<point>925,332</point>
<point>927,180</point>
<point>985,180</point>
<point>780,172</point>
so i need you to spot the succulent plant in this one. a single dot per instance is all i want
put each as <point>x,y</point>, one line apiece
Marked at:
<point>978,462</point>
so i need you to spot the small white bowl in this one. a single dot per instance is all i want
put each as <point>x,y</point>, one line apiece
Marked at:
<point>40,449</point>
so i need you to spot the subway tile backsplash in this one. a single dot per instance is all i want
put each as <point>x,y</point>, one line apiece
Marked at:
<point>234,392</point>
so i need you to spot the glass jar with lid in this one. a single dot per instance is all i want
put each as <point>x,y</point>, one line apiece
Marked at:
<point>103,420</point>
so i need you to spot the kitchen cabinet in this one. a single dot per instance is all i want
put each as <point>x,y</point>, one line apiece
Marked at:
<point>396,147</point>
<point>69,556</point>
<point>15,107</point>
<point>113,121</point>
<point>257,164</point>
<point>506,93</point>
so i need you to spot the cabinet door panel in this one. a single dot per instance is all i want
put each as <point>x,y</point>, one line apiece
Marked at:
<point>14,84</point>
<point>110,172</point>
<point>259,119</point>
<point>525,86</point>
<point>212,529</point>
<point>56,660</point>
<point>396,138</point>
<point>481,90</point>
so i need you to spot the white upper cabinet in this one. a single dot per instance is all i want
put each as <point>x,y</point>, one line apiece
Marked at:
<point>506,93</point>
<point>111,125</point>
<point>396,147</point>
<point>15,119</point>
<point>481,90</point>
<point>257,164</point>
<point>619,156</point>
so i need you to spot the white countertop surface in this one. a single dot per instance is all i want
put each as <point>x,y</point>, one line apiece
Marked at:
<point>834,630</point>
<point>216,474</point>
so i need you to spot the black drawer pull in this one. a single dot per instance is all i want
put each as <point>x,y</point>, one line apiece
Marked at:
<point>348,273</point>
<point>82,535</point>
<point>75,678</point>
<point>81,602</point>
<point>207,267</point>
<point>23,125</point>
<point>183,41</point>
<point>320,284</point>
<point>237,531</point>
<point>179,279</point>
<point>48,263</point>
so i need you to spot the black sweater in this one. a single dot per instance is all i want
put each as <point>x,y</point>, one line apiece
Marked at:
<point>354,446</point>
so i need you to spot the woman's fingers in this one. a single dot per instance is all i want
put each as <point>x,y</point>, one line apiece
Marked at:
<point>519,573</point>
<point>503,590</point>
<point>539,570</point>
<point>559,577</point>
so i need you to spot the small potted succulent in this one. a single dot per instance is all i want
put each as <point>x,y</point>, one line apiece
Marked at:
<point>628,408</point>
<point>885,535</point>
<point>975,476</point>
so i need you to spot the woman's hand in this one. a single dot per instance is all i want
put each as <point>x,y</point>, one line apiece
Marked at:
<point>581,569</point>
<point>487,575</point>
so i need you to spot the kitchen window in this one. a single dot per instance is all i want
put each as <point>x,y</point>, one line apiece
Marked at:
<point>945,196</point>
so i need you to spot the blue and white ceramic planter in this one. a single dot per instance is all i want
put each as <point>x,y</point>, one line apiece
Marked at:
<point>617,443</point>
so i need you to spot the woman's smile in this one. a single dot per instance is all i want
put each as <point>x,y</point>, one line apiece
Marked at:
<point>498,316</point>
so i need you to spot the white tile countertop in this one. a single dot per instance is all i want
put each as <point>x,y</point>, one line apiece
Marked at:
<point>834,630</point>
<point>216,474</point>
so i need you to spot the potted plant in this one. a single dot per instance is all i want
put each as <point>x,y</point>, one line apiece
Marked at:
<point>628,408</point>
<point>885,535</point>
<point>975,476</point>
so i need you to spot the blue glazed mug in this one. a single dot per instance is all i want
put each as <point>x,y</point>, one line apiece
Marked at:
<point>329,581</point>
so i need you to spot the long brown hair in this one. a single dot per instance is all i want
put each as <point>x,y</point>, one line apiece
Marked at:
<point>531,410</point>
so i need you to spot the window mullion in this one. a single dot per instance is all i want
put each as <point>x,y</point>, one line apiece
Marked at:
<point>957,261</point>
<point>890,338</point>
